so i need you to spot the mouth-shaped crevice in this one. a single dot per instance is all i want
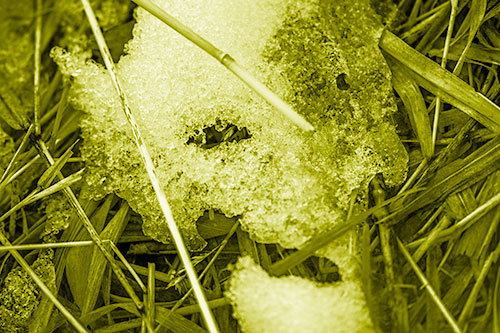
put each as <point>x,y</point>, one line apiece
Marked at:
<point>210,137</point>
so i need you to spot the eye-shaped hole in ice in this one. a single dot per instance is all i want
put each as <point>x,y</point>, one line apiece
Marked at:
<point>341,83</point>
<point>210,136</point>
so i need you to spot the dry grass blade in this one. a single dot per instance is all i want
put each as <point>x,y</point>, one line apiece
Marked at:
<point>417,6</point>
<point>428,287</point>
<point>52,171</point>
<point>429,239</point>
<point>122,326</point>
<point>228,62</point>
<point>492,12</point>
<point>160,276</point>
<point>413,178</point>
<point>151,302</point>
<point>436,28</point>
<point>444,154</point>
<point>61,107</point>
<point>475,53</point>
<point>464,223</point>
<point>9,106</point>
<point>148,163</point>
<point>17,173</point>
<point>78,259</point>
<point>442,83</point>
<point>413,34</point>
<point>282,266</point>
<point>46,246</point>
<point>176,322</point>
<point>399,308</point>
<point>190,309</point>
<point>128,266</point>
<point>247,246</point>
<point>475,241</point>
<point>467,221</point>
<point>496,319</point>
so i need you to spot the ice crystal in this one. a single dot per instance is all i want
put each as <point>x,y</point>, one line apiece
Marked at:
<point>320,56</point>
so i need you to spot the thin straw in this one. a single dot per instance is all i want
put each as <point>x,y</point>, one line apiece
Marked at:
<point>425,283</point>
<point>176,235</point>
<point>453,14</point>
<point>228,62</point>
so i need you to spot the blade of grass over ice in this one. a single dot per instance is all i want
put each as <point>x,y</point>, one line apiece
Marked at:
<point>162,200</point>
<point>325,238</point>
<point>227,61</point>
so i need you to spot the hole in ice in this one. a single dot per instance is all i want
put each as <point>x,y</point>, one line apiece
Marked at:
<point>210,137</point>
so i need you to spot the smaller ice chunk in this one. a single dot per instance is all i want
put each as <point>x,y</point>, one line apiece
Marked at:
<point>292,304</point>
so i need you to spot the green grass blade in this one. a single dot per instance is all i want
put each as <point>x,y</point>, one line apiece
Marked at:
<point>79,258</point>
<point>98,262</point>
<point>414,103</point>
<point>476,14</point>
